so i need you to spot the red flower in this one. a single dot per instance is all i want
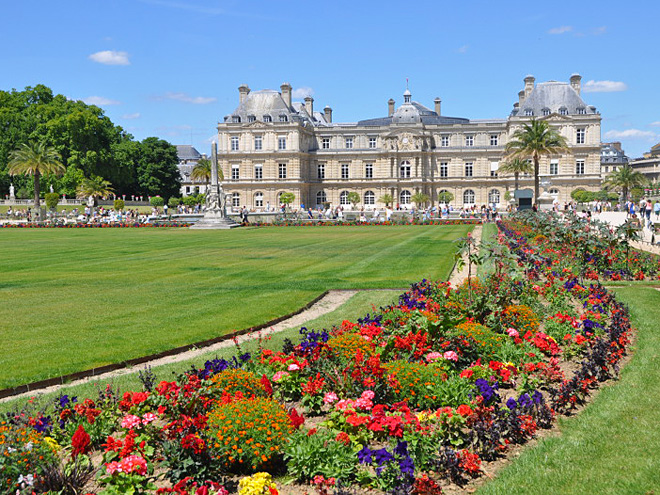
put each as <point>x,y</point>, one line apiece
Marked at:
<point>464,410</point>
<point>267,385</point>
<point>297,419</point>
<point>343,438</point>
<point>79,442</point>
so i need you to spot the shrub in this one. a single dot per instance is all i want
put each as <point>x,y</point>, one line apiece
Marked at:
<point>320,453</point>
<point>247,435</point>
<point>173,202</point>
<point>157,201</point>
<point>52,200</point>
<point>232,381</point>
<point>520,317</point>
<point>119,204</point>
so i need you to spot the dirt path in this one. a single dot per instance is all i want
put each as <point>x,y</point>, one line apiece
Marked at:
<point>457,276</point>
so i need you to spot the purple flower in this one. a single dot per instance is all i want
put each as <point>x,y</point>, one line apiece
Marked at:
<point>364,455</point>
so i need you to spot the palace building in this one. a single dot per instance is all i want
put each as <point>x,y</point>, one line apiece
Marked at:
<point>270,144</point>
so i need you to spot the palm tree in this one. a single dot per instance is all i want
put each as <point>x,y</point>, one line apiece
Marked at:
<point>516,166</point>
<point>202,171</point>
<point>535,140</point>
<point>420,199</point>
<point>624,179</point>
<point>94,187</point>
<point>35,159</point>
<point>386,198</point>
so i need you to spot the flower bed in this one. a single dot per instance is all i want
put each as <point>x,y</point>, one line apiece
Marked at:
<point>113,225</point>
<point>410,398</point>
<point>355,223</point>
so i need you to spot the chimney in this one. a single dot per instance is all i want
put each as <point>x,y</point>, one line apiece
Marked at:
<point>529,85</point>
<point>438,105</point>
<point>617,145</point>
<point>309,105</point>
<point>521,97</point>
<point>286,93</point>
<point>328,114</point>
<point>575,82</point>
<point>390,107</point>
<point>243,91</point>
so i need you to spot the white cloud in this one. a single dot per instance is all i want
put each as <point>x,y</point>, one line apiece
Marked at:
<point>604,86</point>
<point>186,98</point>
<point>631,134</point>
<point>302,92</point>
<point>655,124</point>
<point>100,101</point>
<point>463,49</point>
<point>110,57</point>
<point>131,116</point>
<point>560,30</point>
<point>599,30</point>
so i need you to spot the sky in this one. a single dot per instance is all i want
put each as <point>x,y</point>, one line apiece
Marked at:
<point>171,68</point>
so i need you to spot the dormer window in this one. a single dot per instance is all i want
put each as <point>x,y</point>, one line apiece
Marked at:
<point>581,110</point>
<point>546,111</point>
<point>283,118</point>
<point>563,111</point>
<point>251,118</point>
<point>268,118</point>
<point>235,119</point>
<point>529,112</point>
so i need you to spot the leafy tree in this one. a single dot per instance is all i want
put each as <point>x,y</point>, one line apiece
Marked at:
<point>157,201</point>
<point>157,170</point>
<point>386,198</point>
<point>445,197</point>
<point>420,199</point>
<point>119,204</point>
<point>353,198</point>
<point>516,166</point>
<point>52,200</point>
<point>173,202</point>
<point>287,198</point>
<point>535,140</point>
<point>624,179</point>
<point>94,187</point>
<point>35,159</point>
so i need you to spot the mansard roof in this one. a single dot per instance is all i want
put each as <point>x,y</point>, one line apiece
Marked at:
<point>187,152</point>
<point>413,113</point>
<point>553,96</point>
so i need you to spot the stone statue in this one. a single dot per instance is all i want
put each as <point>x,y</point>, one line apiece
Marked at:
<point>11,191</point>
<point>51,189</point>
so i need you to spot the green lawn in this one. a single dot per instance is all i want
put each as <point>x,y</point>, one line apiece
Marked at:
<point>73,299</point>
<point>613,446</point>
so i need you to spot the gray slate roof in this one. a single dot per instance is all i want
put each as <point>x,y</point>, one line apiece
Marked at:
<point>413,113</point>
<point>610,155</point>
<point>553,95</point>
<point>187,152</point>
<point>269,102</point>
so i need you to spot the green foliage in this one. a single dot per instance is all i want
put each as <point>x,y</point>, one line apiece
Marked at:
<point>420,199</point>
<point>582,195</point>
<point>157,170</point>
<point>119,204</point>
<point>35,159</point>
<point>626,179</point>
<point>173,202</point>
<point>157,201</point>
<point>95,187</point>
<point>445,197</point>
<point>353,198</point>
<point>386,199</point>
<point>52,200</point>
<point>319,454</point>
<point>287,198</point>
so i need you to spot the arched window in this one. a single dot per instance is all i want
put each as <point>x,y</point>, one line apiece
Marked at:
<point>369,198</point>
<point>494,196</point>
<point>251,118</point>
<point>321,198</point>
<point>267,118</point>
<point>468,197</point>
<point>283,118</point>
<point>404,197</point>
<point>404,170</point>
<point>236,200</point>
<point>236,119</point>
<point>563,111</point>
<point>343,198</point>
<point>258,200</point>
<point>546,111</point>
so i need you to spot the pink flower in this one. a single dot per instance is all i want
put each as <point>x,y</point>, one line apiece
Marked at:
<point>512,332</point>
<point>344,404</point>
<point>293,367</point>
<point>112,468</point>
<point>330,397</point>
<point>279,376</point>
<point>149,418</point>
<point>368,394</point>
<point>364,404</point>
<point>131,421</point>
<point>450,356</point>
<point>134,464</point>
<point>433,356</point>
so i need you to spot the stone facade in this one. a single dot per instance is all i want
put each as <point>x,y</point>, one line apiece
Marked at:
<point>270,145</point>
<point>649,164</point>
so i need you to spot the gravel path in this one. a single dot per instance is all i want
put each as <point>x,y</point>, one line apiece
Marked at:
<point>458,276</point>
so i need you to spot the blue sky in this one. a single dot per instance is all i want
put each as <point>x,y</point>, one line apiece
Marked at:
<point>171,68</point>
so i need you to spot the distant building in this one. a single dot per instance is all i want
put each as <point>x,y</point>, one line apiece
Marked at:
<point>269,145</point>
<point>188,158</point>
<point>649,165</point>
<point>611,157</point>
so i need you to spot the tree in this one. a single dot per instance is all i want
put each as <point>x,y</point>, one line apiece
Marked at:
<point>353,198</point>
<point>35,159</point>
<point>157,170</point>
<point>202,171</point>
<point>386,198</point>
<point>445,197</point>
<point>516,166</point>
<point>287,198</point>
<point>94,187</point>
<point>52,200</point>
<point>535,140</point>
<point>624,179</point>
<point>420,199</point>
<point>119,204</point>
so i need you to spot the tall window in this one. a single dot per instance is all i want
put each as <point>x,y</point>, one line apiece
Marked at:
<point>349,142</point>
<point>444,140</point>
<point>581,111</point>
<point>468,197</point>
<point>282,170</point>
<point>281,143</point>
<point>404,170</point>
<point>321,198</point>
<point>469,140</point>
<point>235,200</point>
<point>469,166</point>
<point>251,118</point>
<point>579,167</point>
<point>258,143</point>
<point>258,171</point>
<point>494,139</point>
<point>493,196</point>
<point>267,118</point>
<point>283,118</point>
<point>369,198</point>
<point>404,197</point>
<point>259,200</point>
<point>580,135</point>
<point>325,143</point>
<point>320,171</point>
<point>343,198</point>
<point>563,111</point>
<point>235,171</point>
<point>554,167</point>
<point>372,142</point>
<point>344,170</point>
<point>494,168</point>
<point>234,143</point>
<point>369,170</point>
<point>444,170</point>
<point>545,111</point>
<point>236,119</point>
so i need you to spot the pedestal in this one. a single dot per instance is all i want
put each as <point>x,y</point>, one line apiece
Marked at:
<point>214,220</point>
